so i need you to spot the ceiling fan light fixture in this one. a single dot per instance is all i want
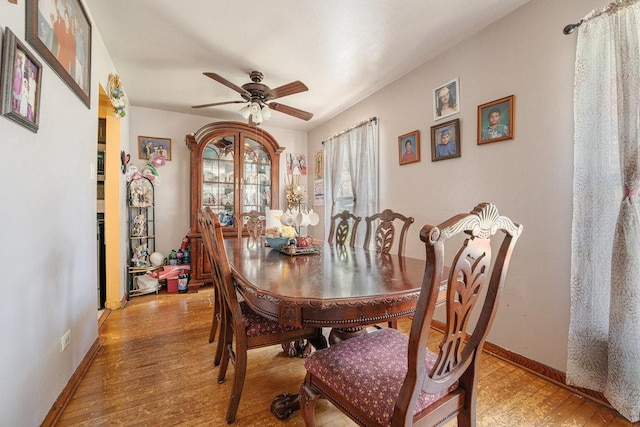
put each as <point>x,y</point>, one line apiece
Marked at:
<point>245,111</point>
<point>256,112</point>
<point>266,113</point>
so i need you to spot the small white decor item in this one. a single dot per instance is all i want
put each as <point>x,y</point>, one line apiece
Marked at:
<point>157,259</point>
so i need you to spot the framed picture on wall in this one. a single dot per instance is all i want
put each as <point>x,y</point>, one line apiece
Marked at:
<point>148,145</point>
<point>320,164</point>
<point>409,147</point>
<point>21,83</point>
<point>445,140</point>
<point>446,99</point>
<point>496,120</point>
<point>60,32</point>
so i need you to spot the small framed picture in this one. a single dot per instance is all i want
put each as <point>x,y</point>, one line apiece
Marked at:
<point>20,87</point>
<point>409,147</point>
<point>496,120</point>
<point>446,99</point>
<point>148,145</point>
<point>320,164</point>
<point>445,140</point>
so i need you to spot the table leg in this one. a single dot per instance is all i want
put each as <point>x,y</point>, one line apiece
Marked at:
<point>285,404</point>
<point>340,334</point>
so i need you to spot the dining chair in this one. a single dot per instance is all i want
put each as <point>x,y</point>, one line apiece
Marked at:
<point>242,329</point>
<point>385,231</point>
<point>254,224</point>
<point>386,378</point>
<point>384,236</point>
<point>344,225</point>
<point>216,322</point>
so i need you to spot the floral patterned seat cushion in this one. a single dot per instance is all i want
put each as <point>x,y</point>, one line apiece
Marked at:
<point>257,325</point>
<point>368,371</point>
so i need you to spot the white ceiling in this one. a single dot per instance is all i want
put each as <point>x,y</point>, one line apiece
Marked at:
<point>343,50</point>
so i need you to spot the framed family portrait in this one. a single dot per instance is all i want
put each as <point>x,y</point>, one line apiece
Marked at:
<point>148,145</point>
<point>445,140</point>
<point>496,120</point>
<point>20,87</point>
<point>409,147</point>
<point>446,99</point>
<point>60,31</point>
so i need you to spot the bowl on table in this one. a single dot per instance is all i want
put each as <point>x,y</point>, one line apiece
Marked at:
<point>277,242</point>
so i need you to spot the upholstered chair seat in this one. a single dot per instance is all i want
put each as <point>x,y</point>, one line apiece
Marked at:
<point>341,368</point>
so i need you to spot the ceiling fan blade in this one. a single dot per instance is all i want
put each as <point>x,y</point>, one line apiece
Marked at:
<point>218,103</point>
<point>286,90</point>
<point>228,84</point>
<point>290,111</point>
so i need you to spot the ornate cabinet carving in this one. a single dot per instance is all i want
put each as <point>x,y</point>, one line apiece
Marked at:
<point>234,169</point>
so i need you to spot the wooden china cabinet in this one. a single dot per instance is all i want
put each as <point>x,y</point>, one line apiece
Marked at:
<point>234,169</point>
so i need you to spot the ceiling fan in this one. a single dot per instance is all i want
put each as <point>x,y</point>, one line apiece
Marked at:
<point>259,96</point>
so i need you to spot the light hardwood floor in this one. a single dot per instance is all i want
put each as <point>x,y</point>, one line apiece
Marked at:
<point>155,369</point>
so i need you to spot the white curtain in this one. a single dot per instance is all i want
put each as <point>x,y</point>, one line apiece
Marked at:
<point>358,147</point>
<point>604,330</point>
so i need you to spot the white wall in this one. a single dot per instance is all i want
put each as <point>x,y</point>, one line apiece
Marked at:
<point>48,239</point>
<point>172,195</point>
<point>528,178</point>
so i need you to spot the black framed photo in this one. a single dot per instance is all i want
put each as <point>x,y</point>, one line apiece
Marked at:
<point>496,120</point>
<point>409,147</point>
<point>20,87</point>
<point>445,140</point>
<point>60,31</point>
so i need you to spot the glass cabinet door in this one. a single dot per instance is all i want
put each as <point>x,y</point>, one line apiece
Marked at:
<point>256,177</point>
<point>218,178</point>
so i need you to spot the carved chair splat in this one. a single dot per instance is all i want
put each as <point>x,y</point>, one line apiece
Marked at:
<point>385,232</point>
<point>254,224</point>
<point>343,225</point>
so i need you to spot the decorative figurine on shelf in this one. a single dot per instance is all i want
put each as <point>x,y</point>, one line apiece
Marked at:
<point>139,228</point>
<point>140,256</point>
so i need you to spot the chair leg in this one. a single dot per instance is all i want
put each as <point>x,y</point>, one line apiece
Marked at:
<point>226,340</point>
<point>393,323</point>
<point>308,399</point>
<point>216,316</point>
<point>238,384</point>
<point>221,340</point>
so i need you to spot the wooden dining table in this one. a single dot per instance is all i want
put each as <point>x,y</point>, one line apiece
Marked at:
<point>338,287</point>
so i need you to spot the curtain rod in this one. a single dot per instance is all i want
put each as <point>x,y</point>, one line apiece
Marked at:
<point>364,122</point>
<point>611,7</point>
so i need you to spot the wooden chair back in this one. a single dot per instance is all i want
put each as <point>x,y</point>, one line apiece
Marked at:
<point>470,273</point>
<point>344,226</point>
<point>385,231</point>
<point>254,224</point>
<point>436,386</point>
<point>207,231</point>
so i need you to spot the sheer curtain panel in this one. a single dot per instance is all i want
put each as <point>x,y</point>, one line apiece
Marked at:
<point>357,149</point>
<point>604,329</point>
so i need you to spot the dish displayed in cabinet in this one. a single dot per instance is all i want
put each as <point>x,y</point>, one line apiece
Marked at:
<point>208,199</point>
